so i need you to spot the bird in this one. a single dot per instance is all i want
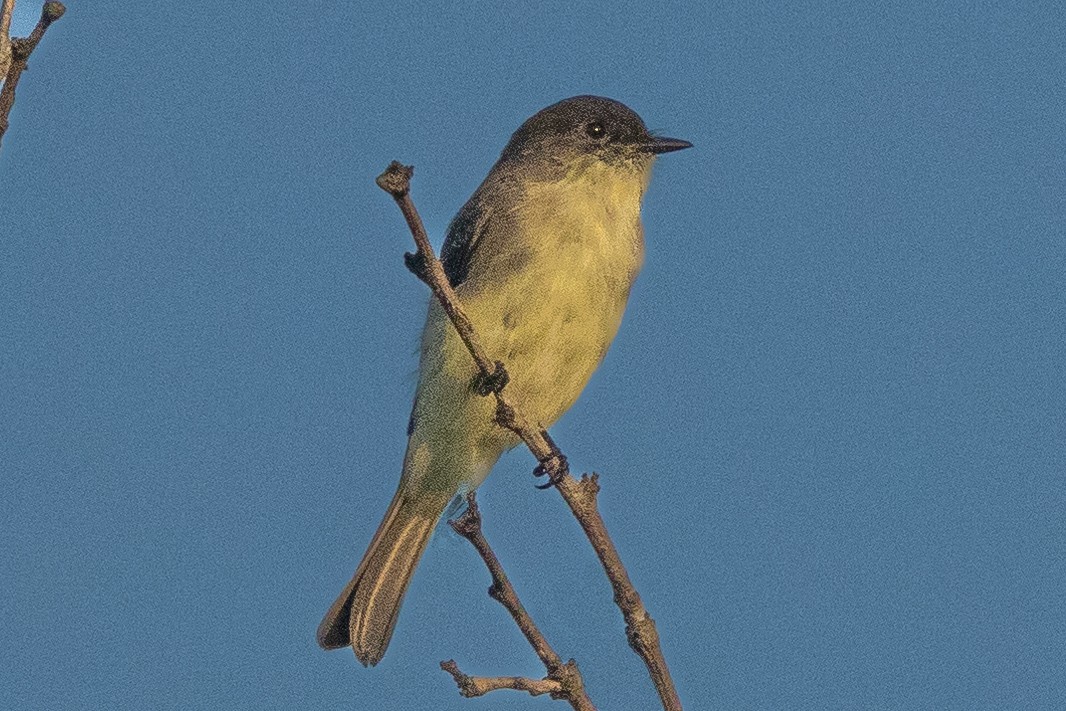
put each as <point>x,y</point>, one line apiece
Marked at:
<point>542,257</point>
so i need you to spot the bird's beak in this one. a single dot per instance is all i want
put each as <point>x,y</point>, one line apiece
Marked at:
<point>659,144</point>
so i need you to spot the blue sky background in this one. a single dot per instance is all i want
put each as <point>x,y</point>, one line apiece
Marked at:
<point>831,431</point>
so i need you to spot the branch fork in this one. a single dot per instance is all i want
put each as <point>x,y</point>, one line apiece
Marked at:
<point>563,680</point>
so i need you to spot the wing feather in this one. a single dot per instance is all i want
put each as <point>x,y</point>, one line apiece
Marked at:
<point>463,240</point>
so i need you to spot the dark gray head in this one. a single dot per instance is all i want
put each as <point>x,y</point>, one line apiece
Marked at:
<point>590,126</point>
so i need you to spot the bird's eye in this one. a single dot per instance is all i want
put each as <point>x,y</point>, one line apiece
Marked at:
<point>596,130</point>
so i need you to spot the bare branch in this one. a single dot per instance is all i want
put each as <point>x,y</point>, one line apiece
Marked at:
<point>569,686</point>
<point>21,49</point>
<point>471,686</point>
<point>579,496</point>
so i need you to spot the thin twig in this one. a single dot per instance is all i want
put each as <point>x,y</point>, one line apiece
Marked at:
<point>566,678</point>
<point>21,49</point>
<point>471,686</point>
<point>579,496</point>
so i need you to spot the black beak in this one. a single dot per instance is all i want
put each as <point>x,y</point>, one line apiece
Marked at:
<point>665,145</point>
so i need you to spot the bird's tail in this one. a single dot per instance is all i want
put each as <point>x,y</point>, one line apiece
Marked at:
<point>364,614</point>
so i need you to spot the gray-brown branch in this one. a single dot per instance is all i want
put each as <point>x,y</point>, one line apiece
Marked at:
<point>580,496</point>
<point>21,49</point>
<point>471,686</point>
<point>564,680</point>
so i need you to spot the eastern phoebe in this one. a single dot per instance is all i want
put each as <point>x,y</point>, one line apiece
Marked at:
<point>542,257</point>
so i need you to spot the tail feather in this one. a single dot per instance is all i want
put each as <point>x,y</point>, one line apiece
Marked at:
<point>364,614</point>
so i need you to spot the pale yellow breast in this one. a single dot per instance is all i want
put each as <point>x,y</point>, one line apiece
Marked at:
<point>552,320</point>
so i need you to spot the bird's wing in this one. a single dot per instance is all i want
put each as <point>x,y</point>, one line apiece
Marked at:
<point>455,256</point>
<point>462,240</point>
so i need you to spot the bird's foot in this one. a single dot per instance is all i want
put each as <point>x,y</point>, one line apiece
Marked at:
<point>493,383</point>
<point>555,468</point>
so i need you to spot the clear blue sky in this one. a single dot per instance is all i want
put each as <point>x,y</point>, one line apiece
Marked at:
<point>831,431</point>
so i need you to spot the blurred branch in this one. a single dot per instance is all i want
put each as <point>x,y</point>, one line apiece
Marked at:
<point>21,49</point>
<point>564,680</point>
<point>579,496</point>
<point>7,9</point>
